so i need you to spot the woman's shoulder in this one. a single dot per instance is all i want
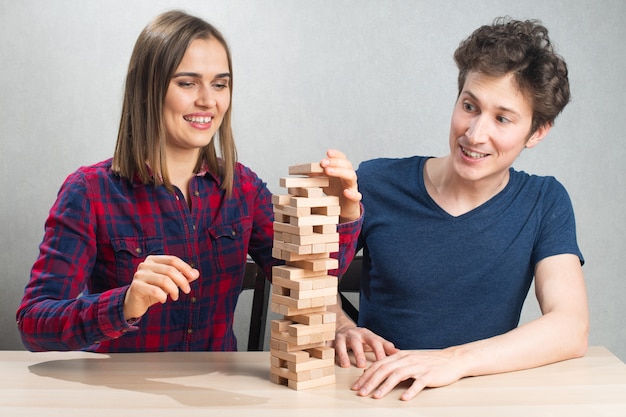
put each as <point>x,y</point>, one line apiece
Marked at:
<point>93,171</point>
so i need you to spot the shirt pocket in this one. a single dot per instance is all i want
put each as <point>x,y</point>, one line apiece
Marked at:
<point>130,252</point>
<point>230,244</point>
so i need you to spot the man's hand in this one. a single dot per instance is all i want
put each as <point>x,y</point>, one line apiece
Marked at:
<point>360,340</point>
<point>434,368</point>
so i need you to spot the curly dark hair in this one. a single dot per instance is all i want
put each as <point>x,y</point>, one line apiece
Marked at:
<point>521,48</point>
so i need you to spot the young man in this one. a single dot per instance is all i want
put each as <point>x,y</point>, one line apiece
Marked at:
<point>451,244</point>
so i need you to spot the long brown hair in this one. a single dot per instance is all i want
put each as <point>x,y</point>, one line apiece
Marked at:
<point>140,148</point>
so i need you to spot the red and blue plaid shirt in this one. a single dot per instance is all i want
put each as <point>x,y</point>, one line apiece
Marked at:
<point>102,226</point>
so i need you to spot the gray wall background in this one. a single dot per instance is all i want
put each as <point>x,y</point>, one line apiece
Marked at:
<point>373,78</point>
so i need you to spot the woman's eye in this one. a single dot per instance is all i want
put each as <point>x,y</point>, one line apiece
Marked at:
<point>185,84</point>
<point>503,120</point>
<point>220,86</point>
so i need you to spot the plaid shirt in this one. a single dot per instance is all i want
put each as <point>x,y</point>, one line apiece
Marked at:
<point>102,226</point>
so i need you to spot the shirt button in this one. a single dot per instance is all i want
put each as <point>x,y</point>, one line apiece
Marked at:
<point>193,227</point>
<point>194,299</point>
<point>196,193</point>
<point>189,331</point>
<point>233,233</point>
<point>137,251</point>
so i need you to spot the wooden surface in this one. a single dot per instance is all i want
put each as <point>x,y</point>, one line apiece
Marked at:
<point>237,384</point>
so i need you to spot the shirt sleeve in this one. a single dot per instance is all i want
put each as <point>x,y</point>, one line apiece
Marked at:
<point>55,311</point>
<point>557,233</point>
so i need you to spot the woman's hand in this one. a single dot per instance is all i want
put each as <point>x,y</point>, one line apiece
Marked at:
<point>343,183</point>
<point>156,278</point>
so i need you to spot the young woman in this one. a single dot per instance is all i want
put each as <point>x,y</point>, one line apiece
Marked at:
<point>146,251</point>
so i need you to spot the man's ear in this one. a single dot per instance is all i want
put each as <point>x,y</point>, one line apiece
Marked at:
<point>539,134</point>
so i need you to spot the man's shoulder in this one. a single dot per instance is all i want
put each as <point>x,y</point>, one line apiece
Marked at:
<point>540,183</point>
<point>382,165</point>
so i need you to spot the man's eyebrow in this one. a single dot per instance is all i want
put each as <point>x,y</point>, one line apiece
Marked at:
<point>198,75</point>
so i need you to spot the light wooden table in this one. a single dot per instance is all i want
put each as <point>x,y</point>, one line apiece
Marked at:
<point>237,384</point>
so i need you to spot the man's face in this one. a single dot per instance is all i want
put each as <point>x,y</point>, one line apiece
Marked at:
<point>490,126</point>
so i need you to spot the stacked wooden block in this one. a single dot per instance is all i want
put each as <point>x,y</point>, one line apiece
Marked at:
<point>305,233</point>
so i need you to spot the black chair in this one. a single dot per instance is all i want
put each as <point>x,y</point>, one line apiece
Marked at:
<point>254,279</point>
<point>350,283</point>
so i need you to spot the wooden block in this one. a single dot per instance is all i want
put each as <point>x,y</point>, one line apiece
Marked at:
<point>304,182</point>
<point>318,293</point>
<point>282,218</point>
<point>322,352</point>
<point>309,319</point>
<point>305,169</point>
<point>290,256</point>
<point>292,211</point>
<point>326,211</point>
<point>287,301</point>
<point>331,247</point>
<point>306,192</point>
<point>320,247</point>
<point>321,372</point>
<point>294,230</point>
<point>329,317</point>
<point>325,282</point>
<point>292,272</point>
<point>291,357</point>
<point>290,247</point>
<point>282,346</point>
<point>329,200</point>
<point>313,220</point>
<point>313,383</point>
<point>285,373</point>
<point>277,253</point>
<point>323,264</point>
<point>278,380</point>
<point>300,284</point>
<point>305,284</point>
<point>282,199</point>
<point>292,311</point>
<point>297,329</point>
<point>303,341</point>
<point>311,363</point>
<point>280,325</point>
<point>325,228</point>
<point>314,238</point>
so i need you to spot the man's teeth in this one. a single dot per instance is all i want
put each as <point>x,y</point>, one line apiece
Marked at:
<point>196,119</point>
<point>471,154</point>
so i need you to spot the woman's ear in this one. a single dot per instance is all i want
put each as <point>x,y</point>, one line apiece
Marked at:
<point>539,134</point>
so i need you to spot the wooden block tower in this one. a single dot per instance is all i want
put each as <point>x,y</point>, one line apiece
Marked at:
<point>305,233</point>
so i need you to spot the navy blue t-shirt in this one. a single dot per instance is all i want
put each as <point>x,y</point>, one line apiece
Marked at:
<point>433,280</point>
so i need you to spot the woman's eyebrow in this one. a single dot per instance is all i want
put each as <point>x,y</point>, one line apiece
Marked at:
<point>198,75</point>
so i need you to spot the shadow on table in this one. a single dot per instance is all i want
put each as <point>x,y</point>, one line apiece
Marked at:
<point>148,373</point>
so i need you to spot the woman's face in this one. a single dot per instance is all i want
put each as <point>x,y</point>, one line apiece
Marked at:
<point>197,98</point>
